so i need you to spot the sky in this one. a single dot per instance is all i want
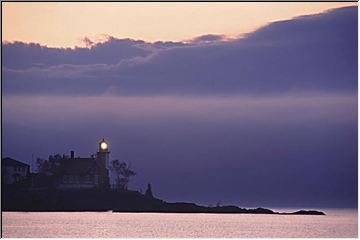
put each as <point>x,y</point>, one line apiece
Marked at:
<point>268,118</point>
<point>67,24</point>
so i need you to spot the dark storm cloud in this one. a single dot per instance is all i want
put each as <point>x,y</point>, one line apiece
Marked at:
<point>311,53</point>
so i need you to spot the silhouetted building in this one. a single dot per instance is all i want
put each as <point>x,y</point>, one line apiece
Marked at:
<point>92,172</point>
<point>13,171</point>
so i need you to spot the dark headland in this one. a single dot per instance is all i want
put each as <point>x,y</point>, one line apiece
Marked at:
<point>69,183</point>
<point>15,199</point>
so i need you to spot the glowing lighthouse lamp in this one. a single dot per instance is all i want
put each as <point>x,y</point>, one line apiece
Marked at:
<point>103,146</point>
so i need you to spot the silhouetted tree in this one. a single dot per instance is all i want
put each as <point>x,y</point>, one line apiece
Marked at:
<point>123,173</point>
<point>148,192</point>
<point>51,168</point>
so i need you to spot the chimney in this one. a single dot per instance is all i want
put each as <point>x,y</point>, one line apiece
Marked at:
<point>72,154</point>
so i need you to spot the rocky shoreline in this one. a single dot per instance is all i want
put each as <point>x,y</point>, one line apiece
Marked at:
<point>51,200</point>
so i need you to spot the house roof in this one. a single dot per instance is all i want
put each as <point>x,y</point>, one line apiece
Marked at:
<point>79,166</point>
<point>12,162</point>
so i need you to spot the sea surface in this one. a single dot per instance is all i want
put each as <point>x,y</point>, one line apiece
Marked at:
<point>337,223</point>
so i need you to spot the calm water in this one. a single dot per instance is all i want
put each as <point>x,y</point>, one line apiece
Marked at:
<point>338,223</point>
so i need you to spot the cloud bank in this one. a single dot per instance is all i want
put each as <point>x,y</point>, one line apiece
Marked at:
<point>310,53</point>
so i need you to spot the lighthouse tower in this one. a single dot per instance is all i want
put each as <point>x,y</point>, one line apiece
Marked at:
<point>103,158</point>
<point>103,155</point>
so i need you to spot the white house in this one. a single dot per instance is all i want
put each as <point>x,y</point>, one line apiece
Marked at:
<point>13,171</point>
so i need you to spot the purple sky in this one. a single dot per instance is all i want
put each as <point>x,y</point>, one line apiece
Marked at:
<point>267,120</point>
